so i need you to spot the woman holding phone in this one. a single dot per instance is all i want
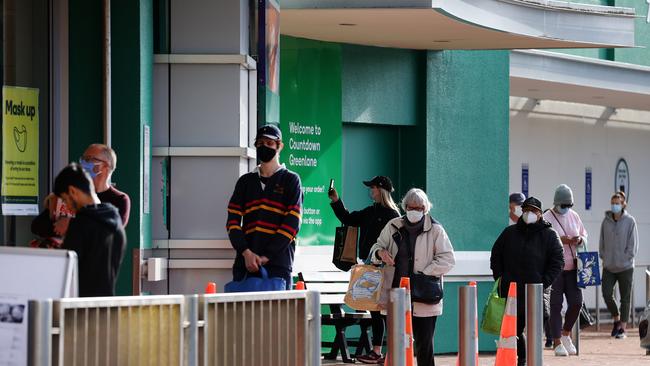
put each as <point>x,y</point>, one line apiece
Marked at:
<point>573,235</point>
<point>370,221</point>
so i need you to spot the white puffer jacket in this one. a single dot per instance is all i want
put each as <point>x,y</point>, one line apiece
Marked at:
<point>434,255</point>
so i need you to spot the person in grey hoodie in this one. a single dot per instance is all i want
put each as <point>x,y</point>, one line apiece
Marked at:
<point>619,243</point>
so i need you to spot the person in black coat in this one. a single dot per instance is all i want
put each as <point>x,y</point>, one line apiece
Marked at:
<point>528,252</point>
<point>370,221</point>
<point>96,232</point>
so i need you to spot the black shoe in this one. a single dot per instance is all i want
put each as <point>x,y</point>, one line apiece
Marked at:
<point>615,329</point>
<point>371,358</point>
<point>548,343</point>
<point>621,333</point>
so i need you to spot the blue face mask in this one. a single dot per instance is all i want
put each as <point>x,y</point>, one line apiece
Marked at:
<point>89,167</point>
<point>617,208</point>
<point>562,211</point>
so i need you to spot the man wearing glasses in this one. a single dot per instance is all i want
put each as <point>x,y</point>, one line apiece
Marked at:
<point>99,161</point>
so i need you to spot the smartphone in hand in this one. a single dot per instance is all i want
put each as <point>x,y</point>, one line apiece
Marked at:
<point>331,185</point>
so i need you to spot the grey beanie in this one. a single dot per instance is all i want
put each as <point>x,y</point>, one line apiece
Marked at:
<point>563,195</point>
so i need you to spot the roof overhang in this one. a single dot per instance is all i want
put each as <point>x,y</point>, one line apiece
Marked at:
<point>550,75</point>
<point>459,24</point>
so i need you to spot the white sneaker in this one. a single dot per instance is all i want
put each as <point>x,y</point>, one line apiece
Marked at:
<point>561,351</point>
<point>568,345</point>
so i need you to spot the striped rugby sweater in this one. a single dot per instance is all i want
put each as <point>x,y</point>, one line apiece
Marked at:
<point>266,221</point>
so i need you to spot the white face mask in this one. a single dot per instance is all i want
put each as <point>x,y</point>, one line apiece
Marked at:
<point>414,216</point>
<point>518,212</point>
<point>530,217</point>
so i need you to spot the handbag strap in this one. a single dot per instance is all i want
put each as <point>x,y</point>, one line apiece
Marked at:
<point>558,222</point>
<point>264,273</point>
<point>564,231</point>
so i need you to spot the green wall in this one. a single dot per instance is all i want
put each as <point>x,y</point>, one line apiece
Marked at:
<point>367,151</point>
<point>467,144</point>
<point>641,55</point>
<point>85,122</point>
<point>379,85</point>
<point>132,73</point>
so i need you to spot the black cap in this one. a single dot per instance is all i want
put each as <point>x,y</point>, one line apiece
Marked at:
<point>532,202</point>
<point>381,182</point>
<point>269,131</point>
<point>517,198</point>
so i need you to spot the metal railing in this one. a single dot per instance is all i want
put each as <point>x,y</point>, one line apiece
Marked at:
<point>270,328</point>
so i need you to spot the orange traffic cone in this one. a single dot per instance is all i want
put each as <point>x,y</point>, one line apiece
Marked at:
<point>507,344</point>
<point>211,288</point>
<point>405,282</point>
<point>300,285</point>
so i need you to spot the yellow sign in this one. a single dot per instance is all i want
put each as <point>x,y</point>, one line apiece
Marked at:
<point>19,151</point>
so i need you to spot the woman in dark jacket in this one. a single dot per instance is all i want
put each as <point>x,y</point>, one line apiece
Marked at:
<point>370,221</point>
<point>528,252</point>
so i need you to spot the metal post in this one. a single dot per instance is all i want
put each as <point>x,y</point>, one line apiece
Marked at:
<point>192,330</point>
<point>397,327</point>
<point>598,308</point>
<point>40,333</point>
<point>313,328</point>
<point>647,285</point>
<point>632,308</point>
<point>467,326</point>
<point>534,323</point>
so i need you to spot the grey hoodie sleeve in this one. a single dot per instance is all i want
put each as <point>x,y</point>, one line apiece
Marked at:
<point>632,246</point>
<point>601,242</point>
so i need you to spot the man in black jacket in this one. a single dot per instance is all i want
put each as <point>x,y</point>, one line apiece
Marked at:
<point>528,252</point>
<point>95,233</point>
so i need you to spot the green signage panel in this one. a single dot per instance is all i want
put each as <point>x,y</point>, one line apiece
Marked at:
<point>310,120</point>
<point>19,151</point>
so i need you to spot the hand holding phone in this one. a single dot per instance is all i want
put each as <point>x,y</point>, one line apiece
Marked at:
<point>331,193</point>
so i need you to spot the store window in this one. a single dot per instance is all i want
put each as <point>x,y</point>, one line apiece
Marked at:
<point>25,63</point>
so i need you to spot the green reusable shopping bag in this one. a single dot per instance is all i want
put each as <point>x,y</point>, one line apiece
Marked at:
<point>493,311</point>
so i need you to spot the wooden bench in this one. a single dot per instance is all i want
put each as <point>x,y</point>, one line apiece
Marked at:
<point>332,287</point>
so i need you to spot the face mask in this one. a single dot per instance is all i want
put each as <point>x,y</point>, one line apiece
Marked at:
<point>265,153</point>
<point>414,216</point>
<point>562,211</point>
<point>89,167</point>
<point>617,208</point>
<point>530,217</point>
<point>518,212</point>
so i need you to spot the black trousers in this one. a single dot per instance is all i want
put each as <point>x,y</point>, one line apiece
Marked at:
<point>423,329</point>
<point>378,328</point>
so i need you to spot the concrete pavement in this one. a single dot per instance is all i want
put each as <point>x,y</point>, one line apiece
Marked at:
<point>597,349</point>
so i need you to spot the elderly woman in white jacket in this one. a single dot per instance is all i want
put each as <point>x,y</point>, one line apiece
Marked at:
<point>433,255</point>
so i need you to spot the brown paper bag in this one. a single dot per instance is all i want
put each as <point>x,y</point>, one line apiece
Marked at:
<point>365,288</point>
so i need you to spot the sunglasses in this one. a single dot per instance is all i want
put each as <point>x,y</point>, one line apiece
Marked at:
<point>566,206</point>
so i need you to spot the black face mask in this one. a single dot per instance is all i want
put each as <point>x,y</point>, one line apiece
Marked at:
<point>265,153</point>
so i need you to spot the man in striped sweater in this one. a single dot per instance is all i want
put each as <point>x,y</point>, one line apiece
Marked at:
<point>264,212</point>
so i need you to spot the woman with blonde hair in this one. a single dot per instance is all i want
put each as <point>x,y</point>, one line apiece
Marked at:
<point>370,221</point>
